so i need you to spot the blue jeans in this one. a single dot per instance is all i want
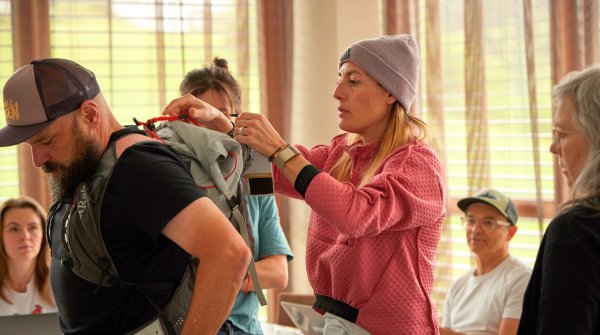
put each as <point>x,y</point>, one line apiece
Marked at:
<point>229,329</point>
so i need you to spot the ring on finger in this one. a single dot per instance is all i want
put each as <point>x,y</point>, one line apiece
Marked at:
<point>241,132</point>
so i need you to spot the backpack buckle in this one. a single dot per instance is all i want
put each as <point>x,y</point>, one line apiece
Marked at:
<point>232,202</point>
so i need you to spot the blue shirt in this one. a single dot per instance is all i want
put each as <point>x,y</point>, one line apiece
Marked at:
<point>269,241</point>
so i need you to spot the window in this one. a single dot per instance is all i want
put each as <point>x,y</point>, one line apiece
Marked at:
<point>141,49</point>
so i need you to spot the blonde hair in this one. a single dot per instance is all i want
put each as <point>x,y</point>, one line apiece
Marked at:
<point>403,128</point>
<point>42,265</point>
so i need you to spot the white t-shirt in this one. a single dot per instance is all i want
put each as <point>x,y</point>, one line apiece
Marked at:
<point>477,304</point>
<point>29,302</point>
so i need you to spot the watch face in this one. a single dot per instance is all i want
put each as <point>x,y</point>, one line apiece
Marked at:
<point>285,155</point>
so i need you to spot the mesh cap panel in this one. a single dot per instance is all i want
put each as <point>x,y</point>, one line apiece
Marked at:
<point>63,85</point>
<point>40,92</point>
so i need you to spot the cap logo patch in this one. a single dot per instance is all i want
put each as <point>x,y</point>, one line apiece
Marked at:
<point>11,110</point>
<point>488,195</point>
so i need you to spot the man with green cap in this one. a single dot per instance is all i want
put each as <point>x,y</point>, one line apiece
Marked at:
<point>488,298</point>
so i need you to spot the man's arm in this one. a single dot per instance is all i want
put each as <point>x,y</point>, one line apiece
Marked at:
<point>508,326</point>
<point>272,273</point>
<point>203,231</point>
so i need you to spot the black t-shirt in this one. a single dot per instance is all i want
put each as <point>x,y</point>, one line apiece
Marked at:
<point>563,295</point>
<point>150,184</point>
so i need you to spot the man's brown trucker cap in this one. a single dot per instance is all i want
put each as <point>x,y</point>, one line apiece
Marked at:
<point>41,92</point>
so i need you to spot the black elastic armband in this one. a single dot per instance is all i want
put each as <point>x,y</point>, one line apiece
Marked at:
<point>304,178</point>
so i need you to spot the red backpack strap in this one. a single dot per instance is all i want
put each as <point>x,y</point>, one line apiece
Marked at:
<point>150,125</point>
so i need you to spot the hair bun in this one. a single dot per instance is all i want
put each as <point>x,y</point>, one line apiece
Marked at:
<point>222,63</point>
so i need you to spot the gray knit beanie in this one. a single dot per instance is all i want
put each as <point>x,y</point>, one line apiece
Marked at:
<point>393,61</point>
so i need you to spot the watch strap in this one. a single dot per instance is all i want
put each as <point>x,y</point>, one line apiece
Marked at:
<point>276,151</point>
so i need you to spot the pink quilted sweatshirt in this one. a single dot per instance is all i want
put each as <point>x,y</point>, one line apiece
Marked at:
<point>371,250</point>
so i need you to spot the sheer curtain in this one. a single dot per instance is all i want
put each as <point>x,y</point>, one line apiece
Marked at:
<point>487,73</point>
<point>276,35</point>
<point>31,39</point>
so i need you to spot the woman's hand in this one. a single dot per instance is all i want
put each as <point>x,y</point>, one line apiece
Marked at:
<point>200,111</point>
<point>256,132</point>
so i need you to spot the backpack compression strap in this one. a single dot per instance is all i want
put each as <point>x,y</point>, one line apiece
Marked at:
<point>251,267</point>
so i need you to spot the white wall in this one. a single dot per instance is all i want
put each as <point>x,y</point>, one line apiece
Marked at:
<point>323,30</point>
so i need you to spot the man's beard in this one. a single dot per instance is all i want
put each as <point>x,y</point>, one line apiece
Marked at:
<point>85,161</point>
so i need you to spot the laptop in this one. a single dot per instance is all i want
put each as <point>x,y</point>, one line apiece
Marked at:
<point>304,318</point>
<point>30,324</point>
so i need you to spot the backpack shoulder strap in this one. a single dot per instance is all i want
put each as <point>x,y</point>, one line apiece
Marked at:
<point>80,231</point>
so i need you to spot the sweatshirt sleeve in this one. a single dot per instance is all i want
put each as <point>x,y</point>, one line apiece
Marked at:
<point>407,191</point>
<point>316,156</point>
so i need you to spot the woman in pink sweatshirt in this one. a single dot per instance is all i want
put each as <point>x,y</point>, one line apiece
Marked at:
<point>377,193</point>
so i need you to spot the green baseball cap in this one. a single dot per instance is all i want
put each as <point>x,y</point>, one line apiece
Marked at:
<point>494,198</point>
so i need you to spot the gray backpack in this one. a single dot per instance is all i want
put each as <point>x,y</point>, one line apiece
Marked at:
<point>216,162</point>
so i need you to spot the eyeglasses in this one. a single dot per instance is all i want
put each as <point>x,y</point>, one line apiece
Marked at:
<point>487,224</point>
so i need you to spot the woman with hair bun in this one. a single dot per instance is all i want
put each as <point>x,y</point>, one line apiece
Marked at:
<point>216,86</point>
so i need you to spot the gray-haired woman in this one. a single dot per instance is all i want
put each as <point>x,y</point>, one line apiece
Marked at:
<point>563,295</point>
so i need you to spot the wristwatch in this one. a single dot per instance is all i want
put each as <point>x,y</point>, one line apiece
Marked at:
<point>283,156</point>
